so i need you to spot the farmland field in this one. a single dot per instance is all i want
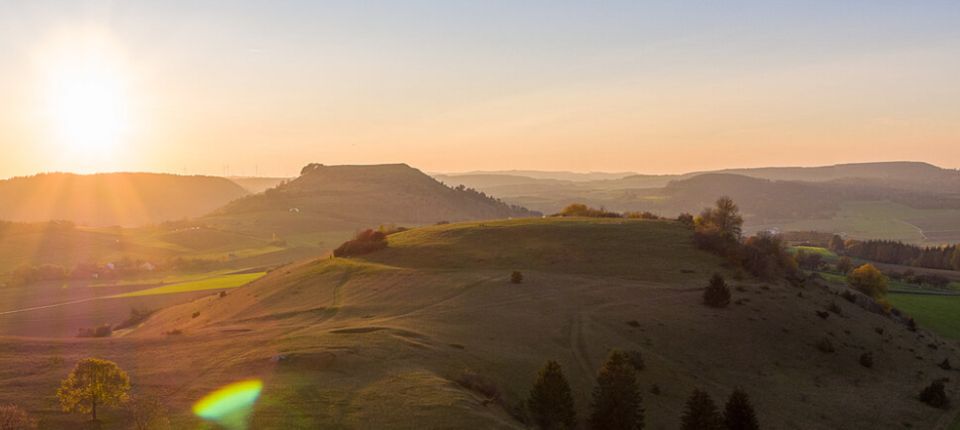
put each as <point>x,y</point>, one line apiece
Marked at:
<point>886,220</point>
<point>58,309</point>
<point>938,313</point>
<point>215,283</point>
<point>827,254</point>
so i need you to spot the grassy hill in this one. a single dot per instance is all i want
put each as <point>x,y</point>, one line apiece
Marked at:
<point>126,199</point>
<point>388,340</point>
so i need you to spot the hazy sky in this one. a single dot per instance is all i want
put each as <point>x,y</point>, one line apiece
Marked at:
<point>649,86</point>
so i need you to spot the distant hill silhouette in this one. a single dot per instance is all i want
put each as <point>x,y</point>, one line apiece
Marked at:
<point>904,173</point>
<point>257,184</point>
<point>910,201</point>
<point>127,199</point>
<point>346,198</point>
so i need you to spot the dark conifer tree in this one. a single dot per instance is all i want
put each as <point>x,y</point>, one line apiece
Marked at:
<point>616,398</point>
<point>717,294</point>
<point>701,413</point>
<point>551,401</point>
<point>739,414</point>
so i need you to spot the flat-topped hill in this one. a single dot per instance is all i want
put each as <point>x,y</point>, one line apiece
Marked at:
<point>345,198</point>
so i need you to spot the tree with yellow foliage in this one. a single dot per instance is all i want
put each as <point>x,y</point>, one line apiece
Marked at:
<point>93,383</point>
<point>868,280</point>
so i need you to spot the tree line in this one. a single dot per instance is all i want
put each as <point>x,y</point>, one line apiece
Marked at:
<point>894,252</point>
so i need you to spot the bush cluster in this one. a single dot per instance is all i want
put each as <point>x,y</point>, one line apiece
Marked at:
<point>105,330</point>
<point>364,242</point>
<point>935,395</point>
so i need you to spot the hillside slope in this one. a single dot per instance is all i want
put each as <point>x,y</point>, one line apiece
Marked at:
<point>379,341</point>
<point>126,199</point>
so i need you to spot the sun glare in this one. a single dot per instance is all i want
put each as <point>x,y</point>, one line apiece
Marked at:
<point>85,97</point>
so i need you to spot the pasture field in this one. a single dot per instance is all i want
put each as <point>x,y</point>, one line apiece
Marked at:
<point>939,313</point>
<point>828,255</point>
<point>221,282</point>
<point>573,245</point>
<point>934,310</point>
<point>887,220</point>
<point>59,309</point>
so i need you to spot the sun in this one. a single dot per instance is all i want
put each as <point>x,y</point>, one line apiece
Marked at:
<point>85,98</point>
<point>88,109</point>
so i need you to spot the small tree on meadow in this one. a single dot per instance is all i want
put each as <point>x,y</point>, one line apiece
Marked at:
<point>700,413</point>
<point>551,400</point>
<point>717,294</point>
<point>868,280</point>
<point>739,413</point>
<point>616,398</point>
<point>13,417</point>
<point>93,383</point>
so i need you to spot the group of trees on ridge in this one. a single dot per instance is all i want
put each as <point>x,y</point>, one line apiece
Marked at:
<point>582,210</point>
<point>719,229</point>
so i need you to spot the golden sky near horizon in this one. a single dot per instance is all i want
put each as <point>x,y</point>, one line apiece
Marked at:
<point>266,87</point>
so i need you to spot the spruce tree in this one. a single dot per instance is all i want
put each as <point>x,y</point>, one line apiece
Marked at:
<point>616,398</point>
<point>717,294</point>
<point>739,414</point>
<point>701,413</point>
<point>551,401</point>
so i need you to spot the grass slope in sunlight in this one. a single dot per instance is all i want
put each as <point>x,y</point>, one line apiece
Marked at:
<point>215,283</point>
<point>644,249</point>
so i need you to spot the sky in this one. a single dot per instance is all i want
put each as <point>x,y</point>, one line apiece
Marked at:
<point>265,87</point>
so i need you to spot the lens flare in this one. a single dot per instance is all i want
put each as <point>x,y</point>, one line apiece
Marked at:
<point>231,405</point>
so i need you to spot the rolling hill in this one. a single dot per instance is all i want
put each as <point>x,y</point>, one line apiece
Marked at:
<point>394,338</point>
<point>108,199</point>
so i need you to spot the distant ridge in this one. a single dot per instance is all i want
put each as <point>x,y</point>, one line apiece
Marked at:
<point>908,171</point>
<point>105,199</point>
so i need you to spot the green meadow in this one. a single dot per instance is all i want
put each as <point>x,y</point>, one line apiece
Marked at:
<point>938,313</point>
<point>215,283</point>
